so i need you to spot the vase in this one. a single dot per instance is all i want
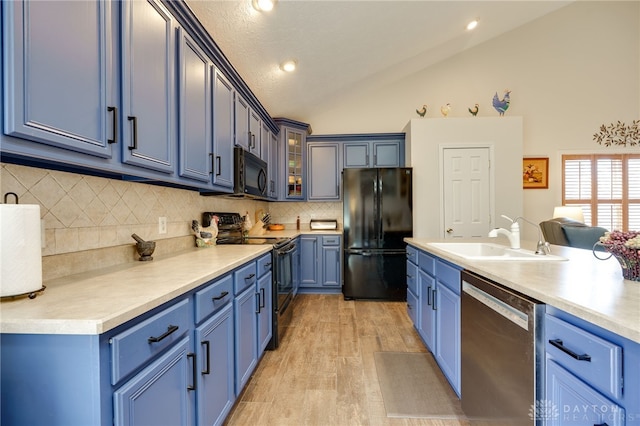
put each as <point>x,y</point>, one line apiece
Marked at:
<point>630,267</point>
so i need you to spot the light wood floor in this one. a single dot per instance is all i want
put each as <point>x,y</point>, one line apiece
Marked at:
<point>324,372</point>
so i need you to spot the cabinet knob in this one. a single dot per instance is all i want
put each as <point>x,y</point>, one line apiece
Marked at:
<point>449,230</point>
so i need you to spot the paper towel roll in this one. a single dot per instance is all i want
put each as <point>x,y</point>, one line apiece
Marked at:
<point>20,249</point>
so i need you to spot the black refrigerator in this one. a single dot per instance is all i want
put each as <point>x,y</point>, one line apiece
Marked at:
<point>377,215</point>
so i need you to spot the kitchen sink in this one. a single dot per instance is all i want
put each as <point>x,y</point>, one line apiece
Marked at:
<point>490,251</point>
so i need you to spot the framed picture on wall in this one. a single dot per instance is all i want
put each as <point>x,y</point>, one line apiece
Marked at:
<point>535,173</point>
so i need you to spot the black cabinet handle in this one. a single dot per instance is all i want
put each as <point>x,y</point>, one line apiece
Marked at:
<point>258,304</point>
<point>263,298</point>
<point>410,276</point>
<point>208,356</point>
<point>114,128</point>
<point>194,376</point>
<point>222,295</point>
<point>433,299</point>
<point>248,277</point>
<point>601,424</point>
<point>219,168</point>
<point>429,296</point>
<point>135,132</point>
<point>170,329</point>
<point>558,344</point>
<point>267,265</point>
<point>213,164</point>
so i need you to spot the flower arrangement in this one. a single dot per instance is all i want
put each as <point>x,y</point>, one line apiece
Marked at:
<point>625,247</point>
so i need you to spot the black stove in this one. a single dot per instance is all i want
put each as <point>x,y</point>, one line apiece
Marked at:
<point>231,230</point>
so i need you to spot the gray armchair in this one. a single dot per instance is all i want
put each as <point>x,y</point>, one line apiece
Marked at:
<point>563,231</point>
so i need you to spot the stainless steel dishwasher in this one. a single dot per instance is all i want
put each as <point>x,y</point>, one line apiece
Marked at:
<point>502,354</point>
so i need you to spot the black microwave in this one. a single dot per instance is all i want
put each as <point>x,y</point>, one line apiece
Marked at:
<point>250,174</point>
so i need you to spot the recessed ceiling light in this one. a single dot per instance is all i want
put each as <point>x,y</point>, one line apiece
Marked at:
<point>288,66</point>
<point>263,5</point>
<point>471,25</point>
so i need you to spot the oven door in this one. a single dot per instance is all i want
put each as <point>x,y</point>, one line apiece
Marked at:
<point>283,291</point>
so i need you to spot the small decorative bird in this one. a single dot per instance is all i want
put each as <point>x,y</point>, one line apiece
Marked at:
<point>474,111</point>
<point>502,105</point>
<point>445,110</point>
<point>423,111</point>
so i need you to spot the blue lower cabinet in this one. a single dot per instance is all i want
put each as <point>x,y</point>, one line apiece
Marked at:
<point>573,402</point>
<point>159,394</point>
<point>214,349</point>
<point>264,312</point>
<point>246,337</point>
<point>320,263</point>
<point>448,350</point>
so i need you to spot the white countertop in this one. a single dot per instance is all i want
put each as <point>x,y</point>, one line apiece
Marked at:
<point>584,286</point>
<point>96,302</point>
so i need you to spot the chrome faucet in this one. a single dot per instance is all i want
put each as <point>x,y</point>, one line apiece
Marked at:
<point>513,235</point>
<point>543,247</point>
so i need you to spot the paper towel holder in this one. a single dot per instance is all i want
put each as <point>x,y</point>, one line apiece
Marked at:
<point>6,195</point>
<point>31,294</point>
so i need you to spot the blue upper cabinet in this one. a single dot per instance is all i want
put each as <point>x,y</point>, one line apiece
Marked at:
<point>148,85</point>
<point>223,123</point>
<point>70,104</point>
<point>373,154</point>
<point>243,138</point>
<point>323,171</point>
<point>195,111</point>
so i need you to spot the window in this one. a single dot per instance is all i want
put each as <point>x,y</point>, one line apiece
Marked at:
<point>607,187</point>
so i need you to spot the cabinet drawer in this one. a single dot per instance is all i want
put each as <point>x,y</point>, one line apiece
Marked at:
<point>264,265</point>
<point>603,370</point>
<point>427,263</point>
<point>133,347</point>
<point>412,254</point>
<point>331,241</point>
<point>412,277</point>
<point>244,277</point>
<point>448,275</point>
<point>412,307</point>
<point>213,297</point>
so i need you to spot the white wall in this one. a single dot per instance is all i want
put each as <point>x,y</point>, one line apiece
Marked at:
<point>570,72</point>
<point>425,137</point>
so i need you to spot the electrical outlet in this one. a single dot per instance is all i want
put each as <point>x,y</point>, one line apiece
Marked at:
<point>162,225</point>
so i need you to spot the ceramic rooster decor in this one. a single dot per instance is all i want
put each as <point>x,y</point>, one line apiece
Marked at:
<point>502,105</point>
<point>205,237</point>
<point>444,110</point>
<point>423,111</point>
<point>474,111</point>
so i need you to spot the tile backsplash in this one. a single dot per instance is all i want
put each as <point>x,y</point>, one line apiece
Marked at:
<point>84,213</point>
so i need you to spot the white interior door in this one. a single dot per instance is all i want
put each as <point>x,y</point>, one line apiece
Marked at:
<point>466,192</point>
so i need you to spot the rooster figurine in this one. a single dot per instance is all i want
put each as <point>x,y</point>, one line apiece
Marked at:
<point>423,111</point>
<point>502,105</point>
<point>474,111</point>
<point>444,110</point>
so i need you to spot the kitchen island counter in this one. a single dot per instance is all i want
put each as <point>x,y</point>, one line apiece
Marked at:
<point>96,302</point>
<point>584,286</point>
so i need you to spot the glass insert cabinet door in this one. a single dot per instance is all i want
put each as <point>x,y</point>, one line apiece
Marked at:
<point>294,164</point>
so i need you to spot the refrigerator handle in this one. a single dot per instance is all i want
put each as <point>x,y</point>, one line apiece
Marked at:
<point>379,206</point>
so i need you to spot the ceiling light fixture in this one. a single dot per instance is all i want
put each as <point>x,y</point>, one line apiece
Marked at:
<point>471,25</point>
<point>288,66</point>
<point>263,5</point>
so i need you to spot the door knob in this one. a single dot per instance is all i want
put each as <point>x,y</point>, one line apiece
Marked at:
<point>449,230</point>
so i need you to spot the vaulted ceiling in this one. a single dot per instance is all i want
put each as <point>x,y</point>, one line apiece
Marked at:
<point>348,45</point>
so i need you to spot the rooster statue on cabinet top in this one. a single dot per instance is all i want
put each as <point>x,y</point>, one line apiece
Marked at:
<point>444,110</point>
<point>422,112</point>
<point>474,111</point>
<point>502,105</point>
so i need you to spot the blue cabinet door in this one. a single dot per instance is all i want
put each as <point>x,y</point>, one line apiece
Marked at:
<point>331,266</point>
<point>386,154</point>
<point>447,309</point>
<point>356,155</point>
<point>223,131</point>
<point>49,98</point>
<point>246,337</point>
<point>264,312</point>
<point>243,138</point>
<point>159,394</point>
<point>195,141</point>
<point>273,166</point>
<point>296,268</point>
<point>323,171</point>
<point>427,315</point>
<point>214,343</point>
<point>255,134</point>
<point>309,272</point>
<point>148,85</point>
<point>571,402</point>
